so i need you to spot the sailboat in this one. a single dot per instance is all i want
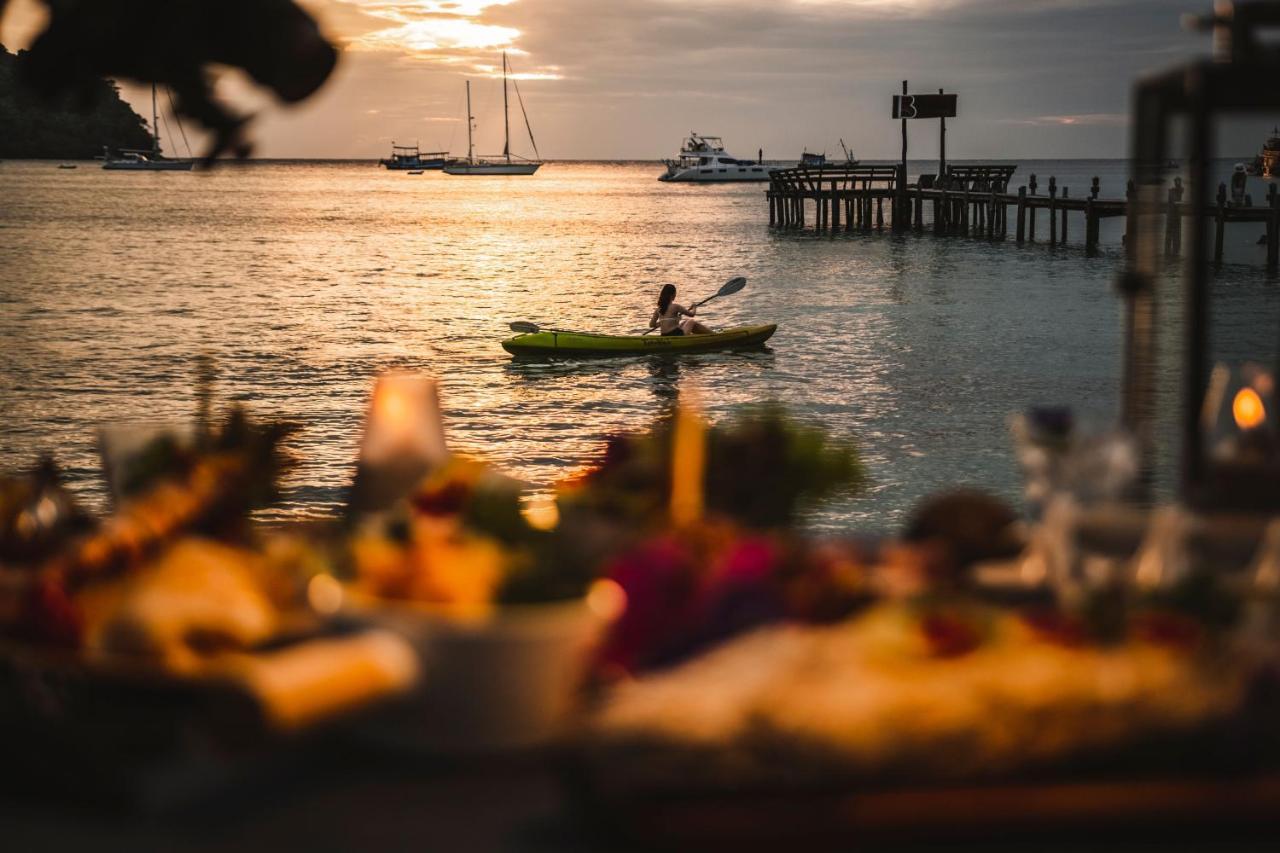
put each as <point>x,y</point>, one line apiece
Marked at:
<point>506,166</point>
<point>134,160</point>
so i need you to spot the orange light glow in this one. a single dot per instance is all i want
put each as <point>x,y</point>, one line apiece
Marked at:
<point>1247,409</point>
<point>542,513</point>
<point>606,599</point>
<point>688,466</point>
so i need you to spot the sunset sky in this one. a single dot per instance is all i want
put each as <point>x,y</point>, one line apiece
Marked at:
<point>629,78</point>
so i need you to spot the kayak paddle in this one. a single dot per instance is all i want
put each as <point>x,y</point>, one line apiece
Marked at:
<point>729,288</point>
<point>524,327</point>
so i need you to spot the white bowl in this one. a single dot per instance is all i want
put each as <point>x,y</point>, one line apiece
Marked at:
<point>502,680</point>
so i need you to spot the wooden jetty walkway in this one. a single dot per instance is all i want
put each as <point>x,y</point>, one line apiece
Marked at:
<point>976,201</point>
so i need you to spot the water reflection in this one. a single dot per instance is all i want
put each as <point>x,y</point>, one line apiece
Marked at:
<point>318,276</point>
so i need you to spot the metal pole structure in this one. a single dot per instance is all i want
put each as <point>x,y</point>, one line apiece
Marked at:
<point>902,178</point>
<point>506,119</point>
<point>942,145</point>
<point>155,124</point>
<point>471,148</point>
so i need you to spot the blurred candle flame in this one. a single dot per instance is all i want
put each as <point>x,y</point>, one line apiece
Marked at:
<point>1247,409</point>
<point>542,513</point>
<point>404,421</point>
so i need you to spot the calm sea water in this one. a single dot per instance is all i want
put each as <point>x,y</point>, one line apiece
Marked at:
<point>304,280</point>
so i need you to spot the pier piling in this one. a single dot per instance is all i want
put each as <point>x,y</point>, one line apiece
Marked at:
<point>1273,228</point>
<point>1022,213</point>
<point>1219,221</point>
<point>1066,193</point>
<point>1031,214</point>
<point>1053,210</point>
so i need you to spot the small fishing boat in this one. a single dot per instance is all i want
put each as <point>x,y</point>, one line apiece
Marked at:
<point>811,160</point>
<point>507,165</point>
<point>416,172</point>
<point>409,158</point>
<point>551,342</point>
<point>66,165</point>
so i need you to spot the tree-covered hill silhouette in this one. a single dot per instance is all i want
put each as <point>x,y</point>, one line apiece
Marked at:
<point>70,128</point>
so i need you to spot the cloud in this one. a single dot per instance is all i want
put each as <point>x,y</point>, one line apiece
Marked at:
<point>1082,120</point>
<point>628,78</point>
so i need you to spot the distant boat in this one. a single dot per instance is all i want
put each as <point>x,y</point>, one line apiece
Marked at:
<point>703,160</point>
<point>819,160</point>
<point>408,157</point>
<point>506,166</point>
<point>416,172</point>
<point>1267,163</point>
<point>133,160</point>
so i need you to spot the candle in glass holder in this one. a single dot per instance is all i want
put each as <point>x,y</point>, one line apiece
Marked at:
<point>403,440</point>
<point>1239,414</point>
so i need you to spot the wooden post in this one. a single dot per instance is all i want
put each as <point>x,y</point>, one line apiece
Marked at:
<point>919,223</point>
<point>1090,227</point>
<point>1219,220</point>
<point>964,211</point>
<point>835,208</point>
<point>1021,213</point>
<point>1093,189</point>
<point>1273,229</point>
<point>940,211</point>
<point>880,212</point>
<point>1130,217</point>
<point>1066,192</point>
<point>1031,214</point>
<point>991,214</point>
<point>1053,210</point>
<point>1174,220</point>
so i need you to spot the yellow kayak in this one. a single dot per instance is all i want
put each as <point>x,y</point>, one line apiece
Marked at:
<point>548,342</point>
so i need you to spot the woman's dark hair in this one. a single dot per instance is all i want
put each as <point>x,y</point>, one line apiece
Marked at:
<point>664,298</point>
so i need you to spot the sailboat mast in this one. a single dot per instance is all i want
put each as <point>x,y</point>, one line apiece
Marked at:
<point>155,123</point>
<point>471,149</point>
<point>506,119</point>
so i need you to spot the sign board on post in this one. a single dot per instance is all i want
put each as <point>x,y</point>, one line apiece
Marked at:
<point>924,106</point>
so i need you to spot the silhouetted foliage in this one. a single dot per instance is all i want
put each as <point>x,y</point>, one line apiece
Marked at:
<point>181,45</point>
<point>65,128</point>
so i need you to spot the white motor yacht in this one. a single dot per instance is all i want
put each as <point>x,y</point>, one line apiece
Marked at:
<point>703,158</point>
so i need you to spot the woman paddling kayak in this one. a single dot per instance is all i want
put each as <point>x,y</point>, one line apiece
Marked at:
<point>666,317</point>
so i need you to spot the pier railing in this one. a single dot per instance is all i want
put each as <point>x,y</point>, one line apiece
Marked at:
<point>975,201</point>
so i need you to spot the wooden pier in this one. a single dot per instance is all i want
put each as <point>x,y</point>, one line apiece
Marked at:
<point>976,201</point>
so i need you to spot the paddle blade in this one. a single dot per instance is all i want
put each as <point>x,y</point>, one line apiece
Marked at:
<point>733,285</point>
<point>524,327</point>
